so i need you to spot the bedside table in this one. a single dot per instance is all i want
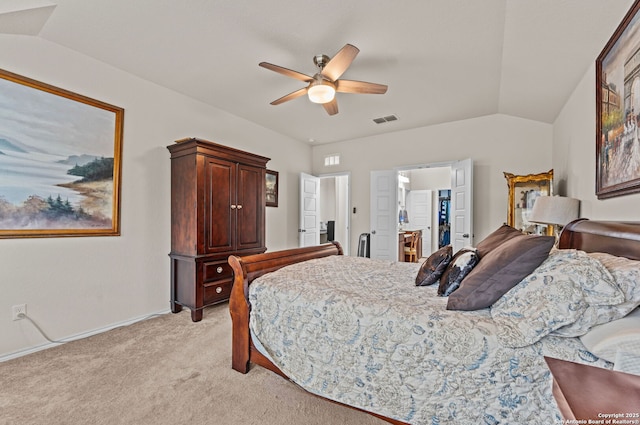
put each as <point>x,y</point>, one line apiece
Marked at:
<point>602,395</point>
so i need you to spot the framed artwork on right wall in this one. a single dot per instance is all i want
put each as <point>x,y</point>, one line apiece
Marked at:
<point>618,110</point>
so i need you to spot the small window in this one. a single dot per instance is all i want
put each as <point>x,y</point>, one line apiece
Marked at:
<point>333,159</point>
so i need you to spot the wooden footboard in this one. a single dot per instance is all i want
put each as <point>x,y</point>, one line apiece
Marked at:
<point>245,270</point>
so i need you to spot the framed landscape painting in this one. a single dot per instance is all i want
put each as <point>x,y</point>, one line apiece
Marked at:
<point>271,182</point>
<point>618,110</point>
<point>60,159</point>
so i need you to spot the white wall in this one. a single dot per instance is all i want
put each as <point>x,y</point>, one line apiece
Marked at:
<point>327,199</point>
<point>436,178</point>
<point>574,157</point>
<point>496,143</point>
<point>80,284</point>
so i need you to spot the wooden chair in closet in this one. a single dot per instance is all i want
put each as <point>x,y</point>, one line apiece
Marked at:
<point>411,249</point>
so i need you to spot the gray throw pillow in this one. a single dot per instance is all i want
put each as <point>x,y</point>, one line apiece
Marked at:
<point>434,266</point>
<point>500,270</point>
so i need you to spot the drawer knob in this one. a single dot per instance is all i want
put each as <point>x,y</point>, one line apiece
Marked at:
<point>219,269</point>
<point>218,289</point>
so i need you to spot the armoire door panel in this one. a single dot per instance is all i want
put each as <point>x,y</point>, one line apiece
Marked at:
<point>220,202</point>
<point>251,198</point>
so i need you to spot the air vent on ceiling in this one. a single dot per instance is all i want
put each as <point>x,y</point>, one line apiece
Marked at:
<point>388,118</point>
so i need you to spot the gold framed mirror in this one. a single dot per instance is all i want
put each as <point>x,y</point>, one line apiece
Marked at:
<point>523,191</point>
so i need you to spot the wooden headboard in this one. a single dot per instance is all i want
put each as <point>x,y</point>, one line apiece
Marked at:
<point>614,237</point>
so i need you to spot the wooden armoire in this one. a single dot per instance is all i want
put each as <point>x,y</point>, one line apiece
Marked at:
<point>217,209</point>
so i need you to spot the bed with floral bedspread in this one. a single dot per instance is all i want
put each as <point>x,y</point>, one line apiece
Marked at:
<point>366,334</point>
<point>360,332</point>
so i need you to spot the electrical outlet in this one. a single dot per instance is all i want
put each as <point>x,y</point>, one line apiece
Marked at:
<point>18,310</point>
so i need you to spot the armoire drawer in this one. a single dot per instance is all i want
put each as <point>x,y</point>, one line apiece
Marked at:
<point>217,291</point>
<point>217,270</point>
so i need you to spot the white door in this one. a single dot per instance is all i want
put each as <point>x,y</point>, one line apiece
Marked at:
<point>342,212</point>
<point>309,228</point>
<point>384,215</point>
<point>420,207</point>
<point>461,204</point>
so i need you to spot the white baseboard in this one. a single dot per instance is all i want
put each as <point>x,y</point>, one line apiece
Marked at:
<point>81,335</point>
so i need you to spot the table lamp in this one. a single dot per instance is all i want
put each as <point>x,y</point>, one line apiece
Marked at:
<point>555,211</point>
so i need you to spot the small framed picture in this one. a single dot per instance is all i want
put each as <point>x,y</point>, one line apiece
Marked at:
<point>272,188</point>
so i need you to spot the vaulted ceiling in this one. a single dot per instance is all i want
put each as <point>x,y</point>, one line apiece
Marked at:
<point>443,60</point>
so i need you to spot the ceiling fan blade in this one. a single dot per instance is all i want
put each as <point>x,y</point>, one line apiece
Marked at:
<point>331,107</point>
<point>362,87</point>
<point>288,72</point>
<point>290,96</point>
<point>340,62</point>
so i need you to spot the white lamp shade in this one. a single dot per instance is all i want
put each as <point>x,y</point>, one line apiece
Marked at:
<point>558,210</point>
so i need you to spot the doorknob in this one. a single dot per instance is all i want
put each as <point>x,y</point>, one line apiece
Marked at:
<point>466,235</point>
<point>373,232</point>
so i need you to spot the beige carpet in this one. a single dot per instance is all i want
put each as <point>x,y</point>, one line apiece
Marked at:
<point>165,370</point>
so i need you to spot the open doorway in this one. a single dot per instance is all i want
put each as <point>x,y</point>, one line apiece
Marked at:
<point>334,209</point>
<point>424,196</point>
<point>391,202</point>
<point>325,210</point>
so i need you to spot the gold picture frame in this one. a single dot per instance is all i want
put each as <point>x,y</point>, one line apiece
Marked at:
<point>523,191</point>
<point>60,161</point>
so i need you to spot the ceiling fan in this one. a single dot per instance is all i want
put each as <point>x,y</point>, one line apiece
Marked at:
<point>325,83</point>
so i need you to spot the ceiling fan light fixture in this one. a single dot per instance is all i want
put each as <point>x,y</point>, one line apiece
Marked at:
<point>321,91</point>
<point>322,87</point>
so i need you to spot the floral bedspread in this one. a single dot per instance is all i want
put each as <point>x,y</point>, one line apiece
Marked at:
<point>360,332</point>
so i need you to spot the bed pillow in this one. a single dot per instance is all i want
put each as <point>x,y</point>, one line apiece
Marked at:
<point>619,335</point>
<point>496,238</point>
<point>434,266</point>
<point>556,295</point>
<point>500,270</point>
<point>626,274</point>
<point>461,264</point>
<point>605,309</point>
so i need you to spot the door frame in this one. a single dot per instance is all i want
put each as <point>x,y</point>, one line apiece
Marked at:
<point>442,164</point>
<point>346,245</point>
